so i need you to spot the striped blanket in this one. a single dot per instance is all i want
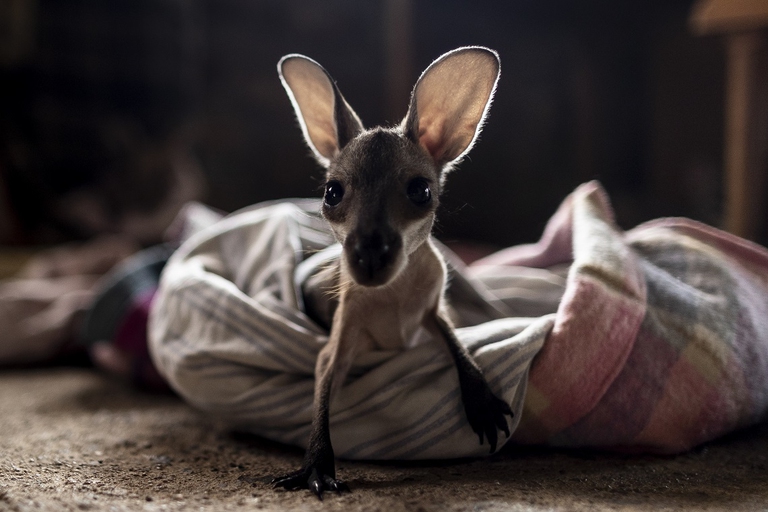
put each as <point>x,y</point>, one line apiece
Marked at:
<point>655,339</point>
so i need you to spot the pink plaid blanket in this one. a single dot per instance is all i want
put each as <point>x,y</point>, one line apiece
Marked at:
<point>661,338</point>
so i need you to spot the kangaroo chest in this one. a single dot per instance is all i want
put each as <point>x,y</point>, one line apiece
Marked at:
<point>394,316</point>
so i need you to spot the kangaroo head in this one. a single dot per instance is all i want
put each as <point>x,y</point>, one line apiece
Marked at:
<point>383,184</point>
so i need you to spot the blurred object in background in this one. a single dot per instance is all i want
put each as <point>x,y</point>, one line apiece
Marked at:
<point>93,118</point>
<point>17,30</point>
<point>111,178</point>
<point>139,189</point>
<point>43,306</point>
<point>618,91</point>
<point>744,27</point>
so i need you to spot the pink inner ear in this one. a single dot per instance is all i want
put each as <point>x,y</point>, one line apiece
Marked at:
<point>431,137</point>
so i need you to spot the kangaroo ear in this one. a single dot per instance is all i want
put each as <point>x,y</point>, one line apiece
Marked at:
<point>327,120</point>
<point>450,101</point>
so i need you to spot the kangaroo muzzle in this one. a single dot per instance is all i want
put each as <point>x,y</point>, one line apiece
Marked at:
<point>372,257</point>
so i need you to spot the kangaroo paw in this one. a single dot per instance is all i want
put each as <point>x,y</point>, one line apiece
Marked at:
<point>486,413</point>
<point>312,478</point>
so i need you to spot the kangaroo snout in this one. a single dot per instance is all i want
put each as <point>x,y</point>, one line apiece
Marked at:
<point>372,256</point>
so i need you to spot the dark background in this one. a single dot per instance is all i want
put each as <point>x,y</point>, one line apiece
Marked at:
<point>622,92</point>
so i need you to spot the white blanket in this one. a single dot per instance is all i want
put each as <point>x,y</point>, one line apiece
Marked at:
<point>230,334</point>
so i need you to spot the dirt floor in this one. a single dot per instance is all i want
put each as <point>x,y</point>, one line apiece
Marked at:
<point>71,439</point>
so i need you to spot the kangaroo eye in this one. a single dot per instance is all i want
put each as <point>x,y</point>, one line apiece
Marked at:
<point>418,192</point>
<point>334,192</point>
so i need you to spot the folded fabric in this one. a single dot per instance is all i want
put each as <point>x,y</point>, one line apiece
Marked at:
<point>118,315</point>
<point>229,332</point>
<point>661,338</point>
<point>42,307</point>
<point>655,339</point>
<point>114,329</point>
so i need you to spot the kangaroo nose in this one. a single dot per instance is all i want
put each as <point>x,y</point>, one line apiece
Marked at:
<point>372,255</point>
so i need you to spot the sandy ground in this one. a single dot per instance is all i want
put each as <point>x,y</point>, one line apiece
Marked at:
<point>71,439</point>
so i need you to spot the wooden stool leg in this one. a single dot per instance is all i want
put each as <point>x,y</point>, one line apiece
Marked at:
<point>744,151</point>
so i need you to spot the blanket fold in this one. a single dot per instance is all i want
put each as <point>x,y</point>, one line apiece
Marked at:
<point>228,332</point>
<point>655,339</point>
<point>661,339</point>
